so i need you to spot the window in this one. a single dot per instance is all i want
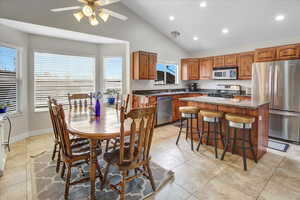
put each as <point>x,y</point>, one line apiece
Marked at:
<point>8,77</point>
<point>166,74</point>
<point>113,73</point>
<point>57,75</point>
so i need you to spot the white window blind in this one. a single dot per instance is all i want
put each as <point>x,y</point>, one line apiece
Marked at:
<point>57,75</point>
<point>8,77</point>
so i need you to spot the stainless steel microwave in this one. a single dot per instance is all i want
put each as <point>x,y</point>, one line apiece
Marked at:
<point>225,73</point>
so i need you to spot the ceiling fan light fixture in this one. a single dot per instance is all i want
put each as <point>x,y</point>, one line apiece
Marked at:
<point>93,20</point>
<point>104,16</point>
<point>78,16</point>
<point>87,10</point>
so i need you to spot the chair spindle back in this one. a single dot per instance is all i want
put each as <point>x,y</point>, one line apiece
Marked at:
<point>80,100</point>
<point>141,132</point>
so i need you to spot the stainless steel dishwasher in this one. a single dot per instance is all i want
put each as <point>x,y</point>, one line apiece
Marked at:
<point>164,110</point>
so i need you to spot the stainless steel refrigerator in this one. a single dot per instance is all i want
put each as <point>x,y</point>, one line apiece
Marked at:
<point>279,82</point>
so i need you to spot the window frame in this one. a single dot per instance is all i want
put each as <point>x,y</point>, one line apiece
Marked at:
<point>57,52</point>
<point>177,73</point>
<point>19,77</point>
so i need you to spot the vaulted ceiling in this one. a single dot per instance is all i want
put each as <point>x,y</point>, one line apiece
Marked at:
<point>248,21</point>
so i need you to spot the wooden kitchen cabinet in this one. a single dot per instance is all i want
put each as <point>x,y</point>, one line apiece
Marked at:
<point>243,98</point>
<point>190,69</point>
<point>219,61</point>
<point>205,68</point>
<point>152,73</point>
<point>265,54</point>
<point>245,65</point>
<point>144,65</point>
<point>231,60</point>
<point>288,52</point>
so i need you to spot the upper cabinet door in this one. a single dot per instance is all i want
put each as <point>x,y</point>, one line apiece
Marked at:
<point>245,67</point>
<point>143,65</point>
<point>190,69</point>
<point>265,54</point>
<point>231,60</point>
<point>184,69</point>
<point>152,66</point>
<point>206,66</point>
<point>194,69</point>
<point>288,52</point>
<point>219,61</point>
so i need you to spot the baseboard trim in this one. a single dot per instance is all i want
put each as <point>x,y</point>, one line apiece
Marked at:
<point>18,137</point>
<point>40,132</point>
<point>25,135</point>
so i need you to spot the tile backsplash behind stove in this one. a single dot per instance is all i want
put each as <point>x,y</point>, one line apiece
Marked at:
<point>212,84</point>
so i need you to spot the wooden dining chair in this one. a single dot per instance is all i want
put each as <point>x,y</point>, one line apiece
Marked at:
<point>136,155</point>
<point>122,102</point>
<point>75,142</point>
<point>56,148</point>
<point>72,157</point>
<point>80,100</point>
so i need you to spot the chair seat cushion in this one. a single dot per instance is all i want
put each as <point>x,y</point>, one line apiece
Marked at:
<point>211,114</point>
<point>189,109</point>
<point>240,118</point>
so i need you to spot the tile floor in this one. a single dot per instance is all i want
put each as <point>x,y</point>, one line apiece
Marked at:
<point>198,175</point>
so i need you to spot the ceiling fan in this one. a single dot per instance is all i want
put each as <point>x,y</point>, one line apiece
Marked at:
<point>91,9</point>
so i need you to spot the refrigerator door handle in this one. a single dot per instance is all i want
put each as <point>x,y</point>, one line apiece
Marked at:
<point>276,86</point>
<point>271,82</point>
<point>284,113</point>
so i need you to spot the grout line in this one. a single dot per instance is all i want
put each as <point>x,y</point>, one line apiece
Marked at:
<point>283,159</point>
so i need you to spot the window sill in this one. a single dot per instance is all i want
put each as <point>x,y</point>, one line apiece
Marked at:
<point>15,114</point>
<point>41,110</point>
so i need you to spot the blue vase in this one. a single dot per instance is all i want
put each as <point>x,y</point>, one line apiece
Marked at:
<point>97,108</point>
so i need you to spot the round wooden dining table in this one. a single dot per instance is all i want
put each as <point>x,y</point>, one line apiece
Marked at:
<point>84,124</point>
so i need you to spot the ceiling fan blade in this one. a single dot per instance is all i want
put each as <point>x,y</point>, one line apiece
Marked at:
<point>83,1</point>
<point>114,14</point>
<point>105,2</point>
<point>66,9</point>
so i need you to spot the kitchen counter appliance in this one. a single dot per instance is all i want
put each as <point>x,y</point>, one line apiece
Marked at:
<point>164,110</point>
<point>226,91</point>
<point>277,82</point>
<point>225,73</point>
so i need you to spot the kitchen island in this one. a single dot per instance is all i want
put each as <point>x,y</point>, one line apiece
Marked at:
<point>259,110</point>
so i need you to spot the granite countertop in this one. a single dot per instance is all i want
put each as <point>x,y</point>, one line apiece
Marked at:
<point>223,101</point>
<point>171,93</point>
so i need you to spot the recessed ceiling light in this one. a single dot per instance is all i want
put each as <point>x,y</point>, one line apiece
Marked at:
<point>225,30</point>
<point>203,4</point>
<point>171,18</point>
<point>195,38</point>
<point>279,17</point>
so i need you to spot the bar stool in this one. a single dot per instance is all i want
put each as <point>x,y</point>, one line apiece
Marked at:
<point>244,123</point>
<point>211,117</point>
<point>188,113</point>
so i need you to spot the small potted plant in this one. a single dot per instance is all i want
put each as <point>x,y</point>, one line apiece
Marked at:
<point>3,107</point>
<point>111,95</point>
